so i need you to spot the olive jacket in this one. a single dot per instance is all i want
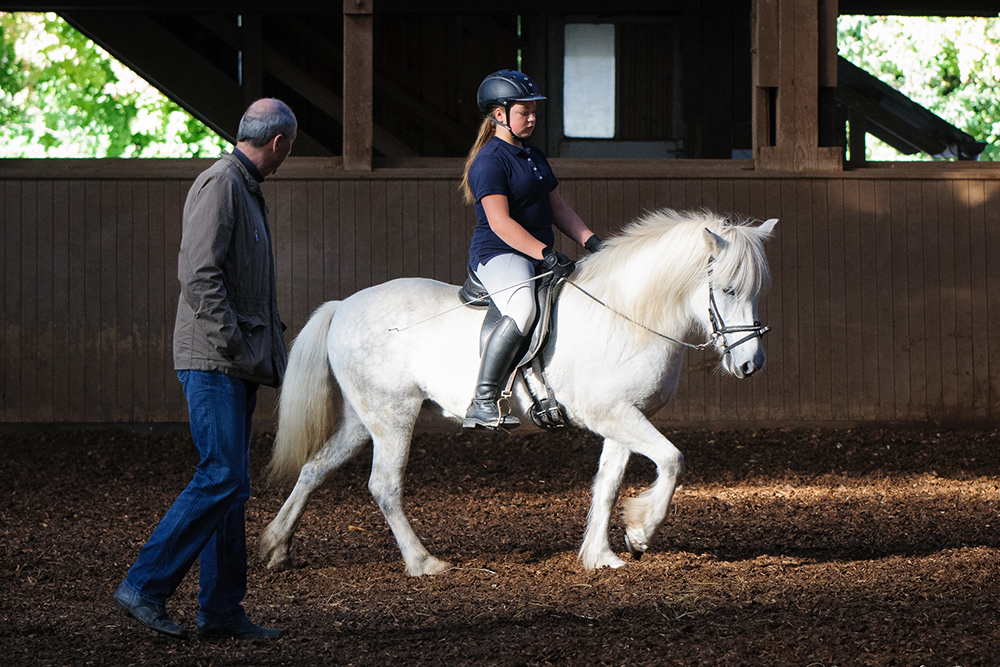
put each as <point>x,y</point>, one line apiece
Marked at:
<point>227,314</point>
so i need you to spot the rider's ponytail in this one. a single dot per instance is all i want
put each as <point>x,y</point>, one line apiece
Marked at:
<point>486,131</point>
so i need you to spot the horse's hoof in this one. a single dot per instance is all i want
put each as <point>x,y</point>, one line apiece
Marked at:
<point>636,550</point>
<point>429,566</point>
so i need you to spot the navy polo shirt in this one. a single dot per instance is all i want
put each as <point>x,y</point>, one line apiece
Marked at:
<point>522,175</point>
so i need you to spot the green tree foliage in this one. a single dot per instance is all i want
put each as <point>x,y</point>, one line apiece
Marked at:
<point>948,65</point>
<point>63,96</point>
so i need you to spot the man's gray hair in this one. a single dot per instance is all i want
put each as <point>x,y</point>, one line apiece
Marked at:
<point>263,122</point>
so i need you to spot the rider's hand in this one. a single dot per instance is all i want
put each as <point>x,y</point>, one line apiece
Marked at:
<point>593,244</point>
<point>559,264</point>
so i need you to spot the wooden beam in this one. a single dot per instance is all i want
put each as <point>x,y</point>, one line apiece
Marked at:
<point>358,67</point>
<point>786,98</point>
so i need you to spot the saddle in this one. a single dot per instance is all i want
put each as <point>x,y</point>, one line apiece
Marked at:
<point>546,411</point>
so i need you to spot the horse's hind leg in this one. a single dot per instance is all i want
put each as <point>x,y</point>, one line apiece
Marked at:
<point>276,541</point>
<point>391,450</point>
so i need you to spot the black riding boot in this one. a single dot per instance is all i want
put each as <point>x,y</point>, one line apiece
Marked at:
<point>499,356</point>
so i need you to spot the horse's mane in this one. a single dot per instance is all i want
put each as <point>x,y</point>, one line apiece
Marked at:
<point>648,270</point>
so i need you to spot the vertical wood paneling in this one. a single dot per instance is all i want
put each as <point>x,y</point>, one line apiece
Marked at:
<point>331,241</point>
<point>347,249</point>
<point>916,275</point>
<point>443,226</point>
<point>790,339</point>
<point>755,206</point>
<point>379,233</point>
<point>978,282</point>
<point>141,300</point>
<point>363,235</point>
<point>836,245</point>
<point>410,204</point>
<point>992,199</point>
<point>90,358</point>
<point>463,222</point>
<point>816,321</point>
<point>124,295</point>
<point>159,353</point>
<point>868,266</point>
<point>931,282</point>
<point>425,231</point>
<point>899,299</point>
<point>315,245</point>
<point>174,197</point>
<point>60,303</point>
<point>844,200</point>
<point>963,302</point>
<point>7,389</point>
<point>884,301</point>
<point>298,272</point>
<point>45,292</point>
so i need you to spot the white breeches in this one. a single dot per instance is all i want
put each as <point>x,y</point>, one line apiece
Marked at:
<point>499,275</point>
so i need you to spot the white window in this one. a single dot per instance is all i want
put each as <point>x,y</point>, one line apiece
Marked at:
<point>589,81</point>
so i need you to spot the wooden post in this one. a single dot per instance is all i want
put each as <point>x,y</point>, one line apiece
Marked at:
<point>793,59</point>
<point>358,76</point>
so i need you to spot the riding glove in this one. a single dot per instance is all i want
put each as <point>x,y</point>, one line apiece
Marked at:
<point>593,244</point>
<point>559,264</point>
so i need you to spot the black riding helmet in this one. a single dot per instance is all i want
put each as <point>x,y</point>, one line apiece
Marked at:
<point>504,88</point>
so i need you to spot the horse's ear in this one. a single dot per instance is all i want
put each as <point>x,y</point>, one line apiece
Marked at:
<point>714,241</point>
<point>767,228</point>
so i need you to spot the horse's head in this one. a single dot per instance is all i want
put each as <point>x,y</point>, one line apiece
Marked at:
<point>671,273</point>
<point>737,276</point>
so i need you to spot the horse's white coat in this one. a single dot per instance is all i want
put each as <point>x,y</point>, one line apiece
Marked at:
<point>608,373</point>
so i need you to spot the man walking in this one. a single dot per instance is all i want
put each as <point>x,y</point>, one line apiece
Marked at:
<point>228,340</point>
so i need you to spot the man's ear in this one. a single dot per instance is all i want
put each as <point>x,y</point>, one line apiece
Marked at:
<point>275,142</point>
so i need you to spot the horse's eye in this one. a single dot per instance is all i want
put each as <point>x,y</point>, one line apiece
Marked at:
<point>729,291</point>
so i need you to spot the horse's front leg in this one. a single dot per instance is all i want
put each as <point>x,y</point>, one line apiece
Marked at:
<point>595,552</point>
<point>644,513</point>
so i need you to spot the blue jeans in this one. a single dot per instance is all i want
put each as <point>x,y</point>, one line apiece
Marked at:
<point>207,519</point>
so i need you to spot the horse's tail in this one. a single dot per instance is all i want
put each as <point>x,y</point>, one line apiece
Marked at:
<point>307,406</point>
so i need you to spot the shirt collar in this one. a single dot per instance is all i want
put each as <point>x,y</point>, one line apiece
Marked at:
<point>251,167</point>
<point>524,149</point>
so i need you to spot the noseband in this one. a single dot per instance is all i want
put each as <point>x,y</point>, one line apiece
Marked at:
<point>719,328</point>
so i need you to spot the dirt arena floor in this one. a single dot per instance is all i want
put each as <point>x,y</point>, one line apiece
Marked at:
<point>802,547</point>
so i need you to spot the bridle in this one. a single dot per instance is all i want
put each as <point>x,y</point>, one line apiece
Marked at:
<point>719,329</point>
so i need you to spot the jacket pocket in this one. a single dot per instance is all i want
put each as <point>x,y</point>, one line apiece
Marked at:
<point>256,342</point>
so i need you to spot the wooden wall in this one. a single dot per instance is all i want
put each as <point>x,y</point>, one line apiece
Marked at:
<point>885,306</point>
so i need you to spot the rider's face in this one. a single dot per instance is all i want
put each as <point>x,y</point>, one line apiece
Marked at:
<point>522,118</point>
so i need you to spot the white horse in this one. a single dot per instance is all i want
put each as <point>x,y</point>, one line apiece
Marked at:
<point>614,356</point>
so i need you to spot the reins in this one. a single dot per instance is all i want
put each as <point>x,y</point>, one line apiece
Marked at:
<point>719,328</point>
<point>701,346</point>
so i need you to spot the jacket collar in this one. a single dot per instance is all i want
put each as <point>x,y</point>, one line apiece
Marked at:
<point>252,184</point>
